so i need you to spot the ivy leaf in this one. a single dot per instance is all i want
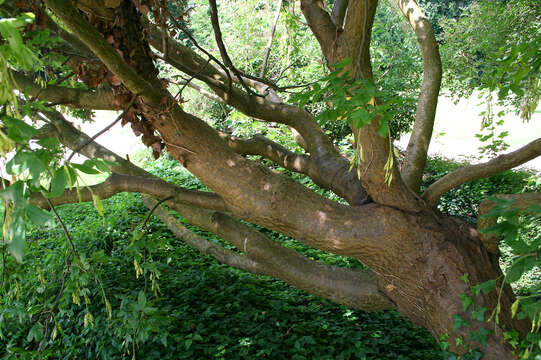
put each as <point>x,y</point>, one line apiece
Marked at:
<point>485,287</point>
<point>466,301</point>
<point>458,322</point>
<point>478,314</point>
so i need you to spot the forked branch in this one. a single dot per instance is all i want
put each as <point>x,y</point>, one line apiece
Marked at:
<point>354,288</point>
<point>206,247</point>
<point>339,12</point>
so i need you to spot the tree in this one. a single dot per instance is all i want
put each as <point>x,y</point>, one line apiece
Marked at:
<point>417,257</point>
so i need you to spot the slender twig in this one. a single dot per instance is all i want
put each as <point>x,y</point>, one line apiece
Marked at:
<point>154,208</point>
<point>223,51</point>
<point>271,38</point>
<point>196,44</point>
<point>163,26</point>
<point>191,78</point>
<point>64,78</point>
<point>64,228</point>
<point>282,73</point>
<point>4,249</point>
<point>105,129</point>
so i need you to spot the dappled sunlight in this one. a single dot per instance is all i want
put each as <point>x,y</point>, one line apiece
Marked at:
<point>322,217</point>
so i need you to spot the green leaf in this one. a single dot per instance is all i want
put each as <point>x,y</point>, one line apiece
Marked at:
<point>514,308</point>
<point>360,117</point>
<point>480,336</point>
<point>38,216</point>
<point>16,235</point>
<point>141,300</point>
<point>458,322</point>
<point>383,129</point>
<point>85,168</point>
<point>18,130</point>
<point>26,160</point>
<point>342,64</point>
<point>466,301</point>
<point>478,314</point>
<point>14,193</point>
<point>97,204</point>
<point>485,287</point>
<point>49,143</point>
<point>35,333</point>
<point>58,183</point>
<point>519,267</point>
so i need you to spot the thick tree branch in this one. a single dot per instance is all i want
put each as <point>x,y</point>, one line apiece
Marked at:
<point>358,289</point>
<point>354,288</point>
<point>117,183</point>
<point>206,247</point>
<point>64,10</point>
<point>320,22</point>
<point>520,201</point>
<point>326,177</point>
<point>479,171</point>
<point>416,153</point>
<point>260,145</point>
<point>204,92</point>
<point>79,98</point>
<point>332,165</point>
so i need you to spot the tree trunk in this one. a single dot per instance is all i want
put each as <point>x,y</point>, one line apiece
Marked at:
<point>423,274</point>
<point>419,256</point>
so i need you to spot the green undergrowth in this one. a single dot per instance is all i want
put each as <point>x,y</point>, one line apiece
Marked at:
<point>150,296</point>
